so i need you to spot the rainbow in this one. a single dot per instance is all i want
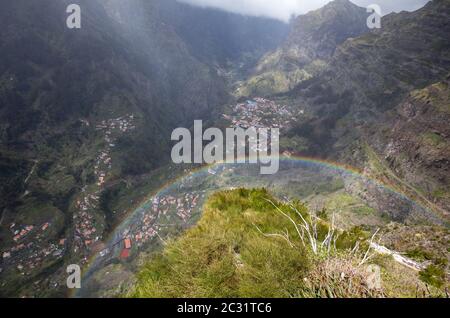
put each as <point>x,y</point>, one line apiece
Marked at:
<point>331,165</point>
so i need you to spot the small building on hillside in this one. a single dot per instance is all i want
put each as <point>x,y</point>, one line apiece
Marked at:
<point>126,251</point>
<point>127,243</point>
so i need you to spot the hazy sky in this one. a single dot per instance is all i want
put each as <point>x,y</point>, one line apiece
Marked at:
<point>283,9</point>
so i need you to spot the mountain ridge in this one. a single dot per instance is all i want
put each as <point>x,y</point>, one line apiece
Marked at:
<point>311,43</point>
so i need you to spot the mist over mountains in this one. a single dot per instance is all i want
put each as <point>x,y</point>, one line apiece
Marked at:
<point>284,10</point>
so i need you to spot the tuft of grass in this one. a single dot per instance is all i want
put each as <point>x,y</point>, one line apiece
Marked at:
<point>419,255</point>
<point>433,275</point>
<point>352,237</point>
<point>441,193</point>
<point>339,277</point>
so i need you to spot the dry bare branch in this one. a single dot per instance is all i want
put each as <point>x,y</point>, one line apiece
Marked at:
<point>284,237</point>
<point>366,255</point>
<point>289,218</point>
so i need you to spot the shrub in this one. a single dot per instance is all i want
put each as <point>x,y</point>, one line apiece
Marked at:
<point>433,275</point>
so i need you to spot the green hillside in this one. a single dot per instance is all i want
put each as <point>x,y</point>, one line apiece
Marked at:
<point>246,245</point>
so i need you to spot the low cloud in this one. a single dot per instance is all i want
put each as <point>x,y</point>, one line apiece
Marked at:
<point>284,9</point>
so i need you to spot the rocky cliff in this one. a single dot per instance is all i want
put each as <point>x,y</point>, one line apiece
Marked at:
<point>311,43</point>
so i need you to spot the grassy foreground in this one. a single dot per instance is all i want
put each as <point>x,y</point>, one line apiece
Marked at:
<point>246,245</point>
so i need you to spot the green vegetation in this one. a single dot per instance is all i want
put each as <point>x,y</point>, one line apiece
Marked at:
<point>246,245</point>
<point>279,75</point>
<point>226,256</point>
<point>419,254</point>
<point>440,193</point>
<point>433,139</point>
<point>433,275</point>
<point>380,170</point>
<point>296,144</point>
<point>304,189</point>
<point>348,210</point>
<point>272,82</point>
<point>435,95</point>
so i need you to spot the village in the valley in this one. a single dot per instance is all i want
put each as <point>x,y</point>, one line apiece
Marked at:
<point>31,247</point>
<point>88,229</point>
<point>260,113</point>
<point>162,212</point>
<point>32,250</point>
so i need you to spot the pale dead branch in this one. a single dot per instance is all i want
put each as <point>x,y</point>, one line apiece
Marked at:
<point>367,256</point>
<point>282,236</point>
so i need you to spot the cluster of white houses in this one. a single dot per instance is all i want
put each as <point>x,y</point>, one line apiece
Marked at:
<point>148,226</point>
<point>260,113</point>
<point>87,229</point>
<point>31,250</point>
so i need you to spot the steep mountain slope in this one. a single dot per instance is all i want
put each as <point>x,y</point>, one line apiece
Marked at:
<point>414,142</point>
<point>233,38</point>
<point>312,41</point>
<point>84,111</point>
<point>369,76</point>
<point>211,36</point>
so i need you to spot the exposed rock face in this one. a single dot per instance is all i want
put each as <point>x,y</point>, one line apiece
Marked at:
<point>382,83</point>
<point>312,41</point>
<point>410,51</point>
<point>316,35</point>
<point>404,100</point>
<point>416,142</point>
<point>83,109</point>
<point>371,74</point>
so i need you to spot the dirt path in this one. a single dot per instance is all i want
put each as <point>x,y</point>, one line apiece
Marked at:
<point>32,171</point>
<point>3,216</point>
